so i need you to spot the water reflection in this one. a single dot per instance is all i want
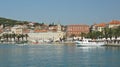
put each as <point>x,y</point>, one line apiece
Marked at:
<point>58,56</point>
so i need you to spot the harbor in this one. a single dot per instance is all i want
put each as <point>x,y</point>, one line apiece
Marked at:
<point>58,56</point>
<point>59,33</point>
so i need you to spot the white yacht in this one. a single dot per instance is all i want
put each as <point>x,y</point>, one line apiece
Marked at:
<point>88,42</point>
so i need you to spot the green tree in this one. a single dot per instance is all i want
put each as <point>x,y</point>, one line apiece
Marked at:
<point>6,36</point>
<point>22,36</point>
<point>94,35</point>
<point>116,32</point>
<point>18,37</point>
<point>106,33</point>
<point>72,35</point>
<point>14,36</point>
<point>82,35</point>
<point>26,36</point>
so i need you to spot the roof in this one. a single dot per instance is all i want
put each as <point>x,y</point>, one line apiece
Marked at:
<point>114,22</point>
<point>101,25</point>
<point>78,25</point>
<point>37,30</point>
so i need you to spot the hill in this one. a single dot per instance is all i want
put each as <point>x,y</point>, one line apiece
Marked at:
<point>11,22</point>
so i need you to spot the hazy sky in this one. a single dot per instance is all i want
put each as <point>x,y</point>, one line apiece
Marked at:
<point>61,11</point>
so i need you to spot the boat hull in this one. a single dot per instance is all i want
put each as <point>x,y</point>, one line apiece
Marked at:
<point>90,43</point>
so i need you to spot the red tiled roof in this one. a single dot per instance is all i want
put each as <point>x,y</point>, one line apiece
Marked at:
<point>37,30</point>
<point>77,25</point>
<point>26,30</point>
<point>114,22</point>
<point>101,25</point>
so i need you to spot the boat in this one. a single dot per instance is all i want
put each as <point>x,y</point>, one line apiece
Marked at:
<point>88,42</point>
<point>21,44</point>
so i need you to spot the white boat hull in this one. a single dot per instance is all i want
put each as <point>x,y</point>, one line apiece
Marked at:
<point>78,43</point>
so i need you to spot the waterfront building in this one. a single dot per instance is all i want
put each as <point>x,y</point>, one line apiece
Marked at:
<point>17,30</point>
<point>113,24</point>
<point>52,28</point>
<point>52,33</point>
<point>98,27</point>
<point>101,26</point>
<point>26,31</point>
<point>76,30</point>
<point>55,36</point>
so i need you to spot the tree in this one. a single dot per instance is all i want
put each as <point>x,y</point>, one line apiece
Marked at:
<point>10,36</point>
<point>26,36</point>
<point>0,38</point>
<point>82,35</point>
<point>6,36</point>
<point>22,36</point>
<point>106,33</point>
<point>94,35</point>
<point>13,36</point>
<point>116,32</point>
<point>18,37</point>
<point>72,35</point>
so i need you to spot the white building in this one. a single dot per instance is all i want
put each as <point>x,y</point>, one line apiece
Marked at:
<point>17,30</point>
<point>55,36</point>
<point>114,24</point>
<point>98,27</point>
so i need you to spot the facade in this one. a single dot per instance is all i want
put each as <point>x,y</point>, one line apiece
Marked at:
<point>76,30</point>
<point>101,26</point>
<point>55,36</point>
<point>17,30</point>
<point>43,34</point>
<point>113,24</point>
<point>98,27</point>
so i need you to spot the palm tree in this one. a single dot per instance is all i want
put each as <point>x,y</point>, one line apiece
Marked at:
<point>6,36</point>
<point>26,36</point>
<point>0,38</point>
<point>18,37</point>
<point>82,35</point>
<point>110,33</point>
<point>116,32</point>
<point>105,32</point>
<point>10,36</point>
<point>22,36</point>
<point>13,36</point>
<point>95,35</point>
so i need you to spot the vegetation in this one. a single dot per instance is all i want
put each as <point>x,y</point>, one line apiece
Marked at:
<point>17,37</point>
<point>10,22</point>
<point>106,33</point>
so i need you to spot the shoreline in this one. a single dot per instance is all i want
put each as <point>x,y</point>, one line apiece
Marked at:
<point>60,43</point>
<point>112,45</point>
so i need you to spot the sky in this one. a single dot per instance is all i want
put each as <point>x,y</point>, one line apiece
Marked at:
<point>61,11</point>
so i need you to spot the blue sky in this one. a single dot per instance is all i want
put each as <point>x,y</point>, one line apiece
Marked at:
<point>61,11</point>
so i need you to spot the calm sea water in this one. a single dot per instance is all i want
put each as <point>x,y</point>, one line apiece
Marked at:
<point>58,56</point>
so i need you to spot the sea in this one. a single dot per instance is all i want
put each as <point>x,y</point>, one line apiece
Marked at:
<point>62,55</point>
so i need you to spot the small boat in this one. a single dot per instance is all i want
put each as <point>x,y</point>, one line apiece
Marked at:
<point>87,42</point>
<point>21,44</point>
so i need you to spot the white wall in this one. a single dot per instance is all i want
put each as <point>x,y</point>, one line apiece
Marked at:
<point>46,35</point>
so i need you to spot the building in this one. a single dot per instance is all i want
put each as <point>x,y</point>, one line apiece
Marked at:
<point>76,30</point>
<point>55,36</point>
<point>98,27</point>
<point>17,30</point>
<point>53,33</point>
<point>101,26</point>
<point>113,24</point>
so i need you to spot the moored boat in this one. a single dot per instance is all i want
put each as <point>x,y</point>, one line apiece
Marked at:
<point>87,42</point>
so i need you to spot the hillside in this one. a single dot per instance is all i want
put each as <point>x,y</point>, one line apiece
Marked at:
<point>10,22</point>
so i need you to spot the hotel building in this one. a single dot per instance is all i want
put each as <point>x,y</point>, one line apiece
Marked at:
<point>76,30</point>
